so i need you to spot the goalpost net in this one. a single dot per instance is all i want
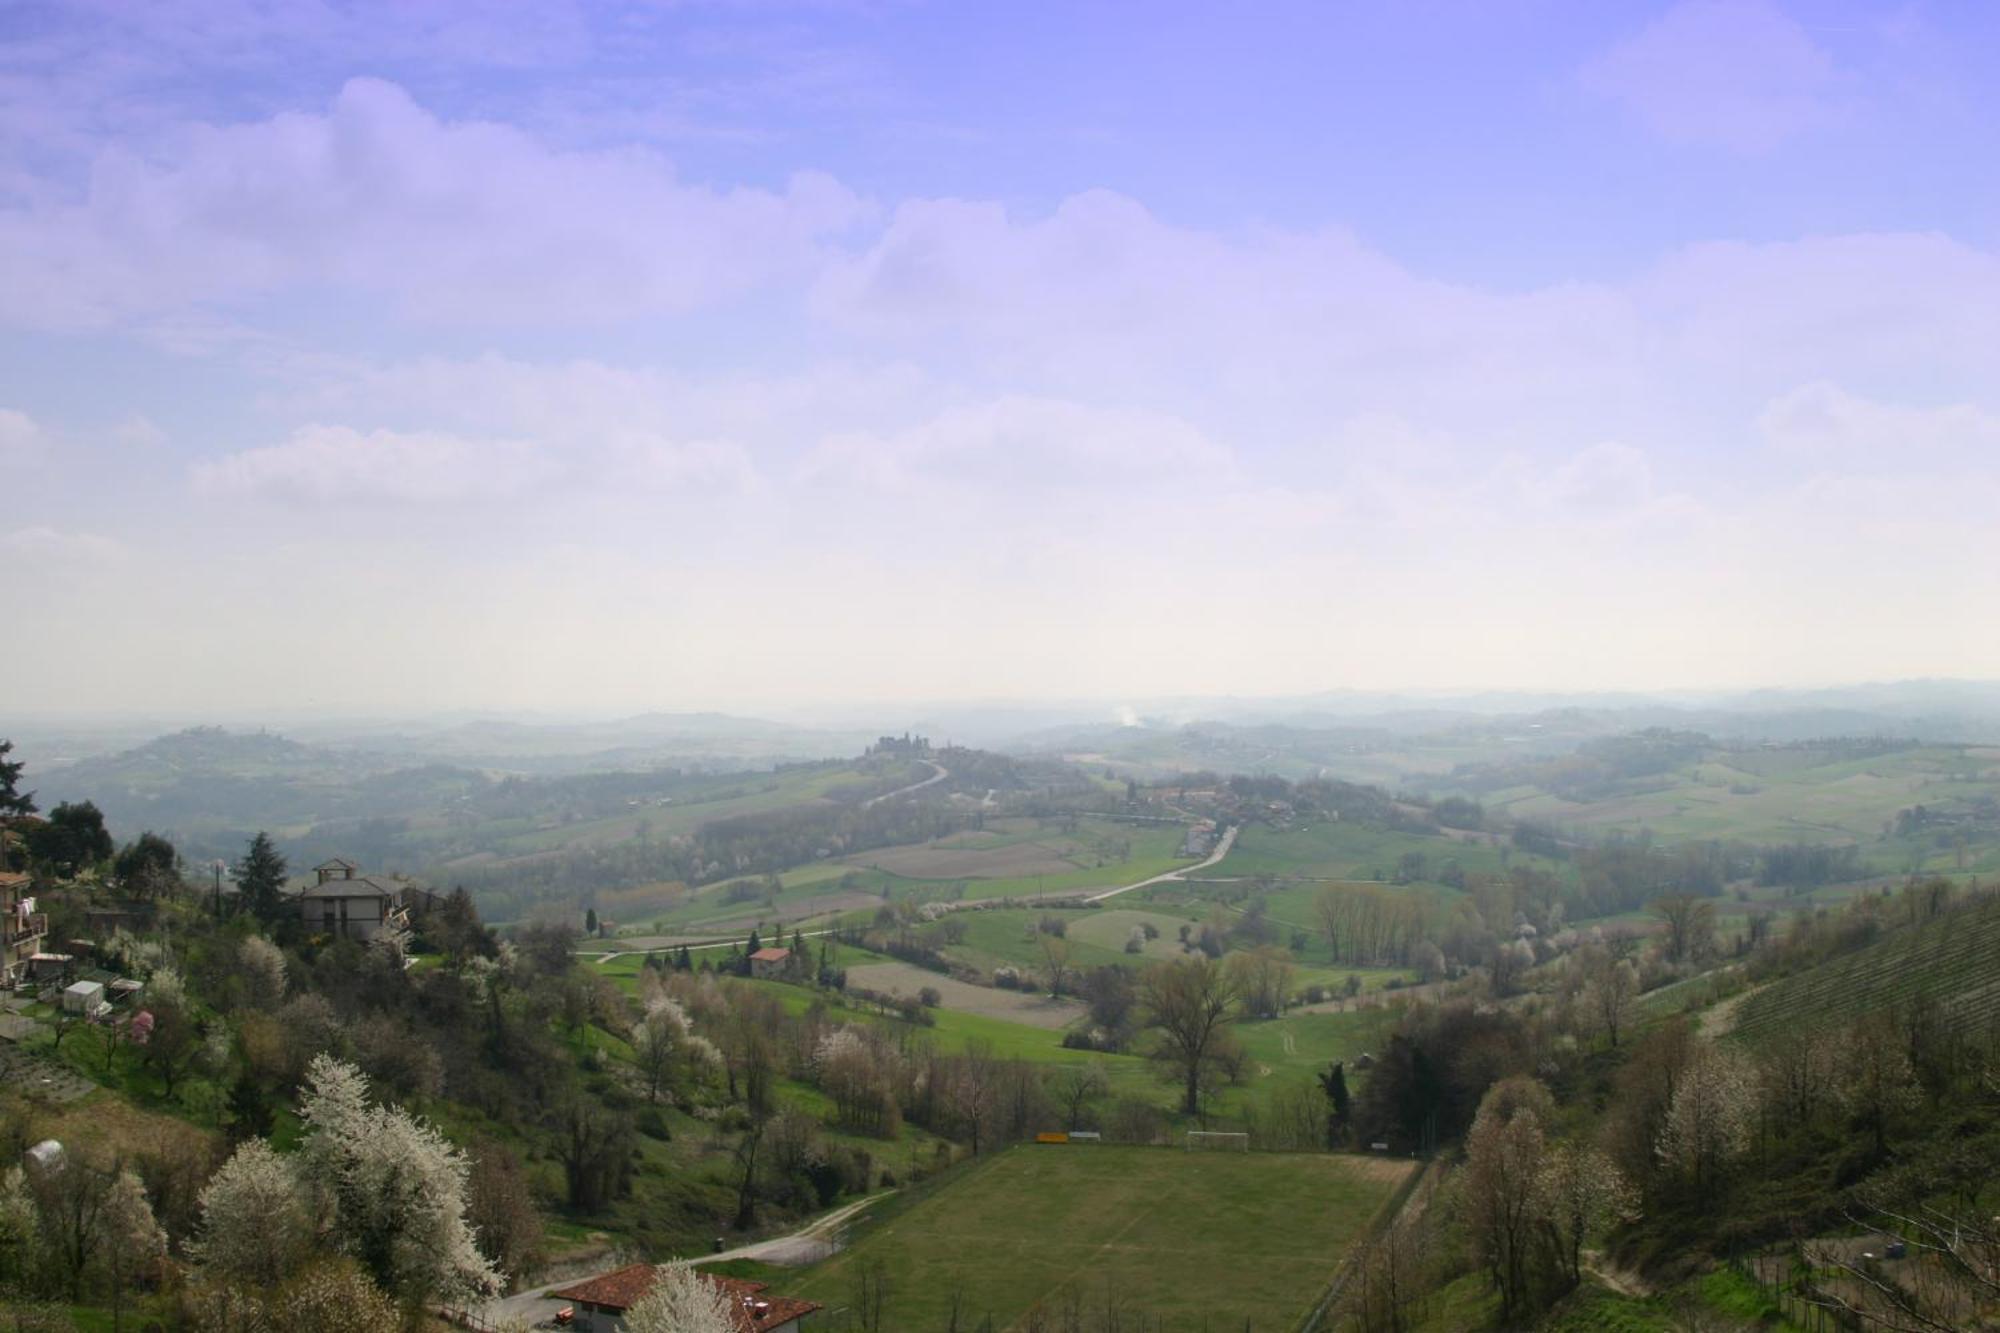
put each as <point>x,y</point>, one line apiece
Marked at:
<point>1217,1140</point>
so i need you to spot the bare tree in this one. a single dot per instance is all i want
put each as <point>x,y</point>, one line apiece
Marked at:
<point>1690,924</point>
<point>1055,954</point>
<point>1188,1002</point>
<point>1074,1087</point>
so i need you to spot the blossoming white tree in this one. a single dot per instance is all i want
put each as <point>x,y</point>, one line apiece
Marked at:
<point>1710,1116</point>
<point>393,1187</point>
<point>254,1223</point>
<point>681,1301</point>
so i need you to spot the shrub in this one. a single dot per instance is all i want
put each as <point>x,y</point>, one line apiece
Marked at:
<point>929,997</point>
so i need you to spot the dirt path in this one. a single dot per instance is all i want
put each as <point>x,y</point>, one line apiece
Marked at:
<point>1621,1280</point>
<point>1719,1019</point>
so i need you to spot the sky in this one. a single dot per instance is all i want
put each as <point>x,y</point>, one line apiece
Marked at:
<point>415,356</point>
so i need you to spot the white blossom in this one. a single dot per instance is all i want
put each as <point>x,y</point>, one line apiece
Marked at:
<point>681,1301</point>
<point>254,1222</point>
<point>394,1186</point>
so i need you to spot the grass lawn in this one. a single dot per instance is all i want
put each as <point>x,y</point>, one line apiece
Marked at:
<point>1239,1240</point>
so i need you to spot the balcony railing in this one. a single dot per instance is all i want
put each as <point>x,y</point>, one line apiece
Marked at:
<point>13,931</point>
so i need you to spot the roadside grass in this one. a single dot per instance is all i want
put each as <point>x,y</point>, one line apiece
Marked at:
<point>1243,1240</point>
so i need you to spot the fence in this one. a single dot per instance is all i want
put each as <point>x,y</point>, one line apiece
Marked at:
<point>1317,1317</point>
<point>1793,1308</point>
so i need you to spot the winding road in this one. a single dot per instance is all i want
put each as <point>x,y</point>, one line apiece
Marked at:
<point>938,774</point>
<point>1221,850</point>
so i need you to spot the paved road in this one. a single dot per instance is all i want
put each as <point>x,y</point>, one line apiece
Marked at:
<point>938,774</point>
<point>1221,850</point>
<point>808,1245</point>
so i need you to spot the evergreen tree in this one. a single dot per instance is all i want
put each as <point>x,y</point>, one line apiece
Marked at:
<point>753,946</point>
<point>13,801</point>
<point>260,876</point>
<point>1340,1106</point>
<point>74,837</point>
<point>684,961</point>
<point>590,922</point>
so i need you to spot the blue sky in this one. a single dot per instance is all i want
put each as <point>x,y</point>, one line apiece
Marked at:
<point>750,354</point>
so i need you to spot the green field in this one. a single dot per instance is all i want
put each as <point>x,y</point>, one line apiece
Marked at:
<point>1221,1240</point>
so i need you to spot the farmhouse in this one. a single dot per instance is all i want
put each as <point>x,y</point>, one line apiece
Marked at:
<point>601,1302</point>
<point>345,903</point>
<point>21,927</point>
<point>770,962</point>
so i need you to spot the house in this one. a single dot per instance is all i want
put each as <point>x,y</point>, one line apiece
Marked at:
<point>601,1301</point>
<point>344,902</point>
<point>770,962</point>
<point>21,927</point>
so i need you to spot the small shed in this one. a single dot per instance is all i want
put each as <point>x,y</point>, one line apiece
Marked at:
<point>123,990</point>
<point>44,1159</point>
<point>49,966</point>
<point>770,962</point>
<point>83,997</point>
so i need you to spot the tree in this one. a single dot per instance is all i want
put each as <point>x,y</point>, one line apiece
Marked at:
<point>1055,953</point>
<point>261,968</point>
<point>1074,1087</point>
<point>1610,986</point>
<point>132,1240</point>
<point>171,1042</point>
<point>1187,1001</point>
<point>500,1205</point>
<point>255,1228</point>
<point>260,878</point>
<point>1340,1106</point>
<point>73,837</point>
<point>1583,1194</point>
<point>1690,924</point>
<point>681,1301</point>
<point>1709,1117</point>
<point>657,1039</point>
<point>1262,979</point>
<point>394,1187</point>
<point>590,922</point>
<point>13,801</point>
<point>595,1147</point>
<point>1500,1187</point>
<point>148,867</point>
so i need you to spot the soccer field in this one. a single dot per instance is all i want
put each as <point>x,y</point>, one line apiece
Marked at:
<point>1195,1240</point>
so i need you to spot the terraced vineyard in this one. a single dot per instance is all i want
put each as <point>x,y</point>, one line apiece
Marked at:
<point>1954,960</point>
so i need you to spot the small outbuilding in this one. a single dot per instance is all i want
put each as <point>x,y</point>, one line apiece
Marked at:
<point>770,962</point>
<point>83,997</point>
<point>44,1159</point>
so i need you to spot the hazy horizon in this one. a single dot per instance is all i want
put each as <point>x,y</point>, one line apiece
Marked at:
<point>378,360</point>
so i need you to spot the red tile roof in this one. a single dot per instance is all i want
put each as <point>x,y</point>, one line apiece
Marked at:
<point>621,1288</point>
<point>770,955</point>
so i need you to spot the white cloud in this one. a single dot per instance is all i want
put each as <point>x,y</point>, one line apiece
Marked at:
<point>446,221</point>
<point>1737,74</point>
<point>338,463</point>
<point>1019,446</point>
<point>138,431</point>
<point>20,438</point>
<point>1823,423</point>
<point>50,550</point>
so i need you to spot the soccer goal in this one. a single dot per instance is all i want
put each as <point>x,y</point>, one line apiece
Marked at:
<point>1213,1140</point>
